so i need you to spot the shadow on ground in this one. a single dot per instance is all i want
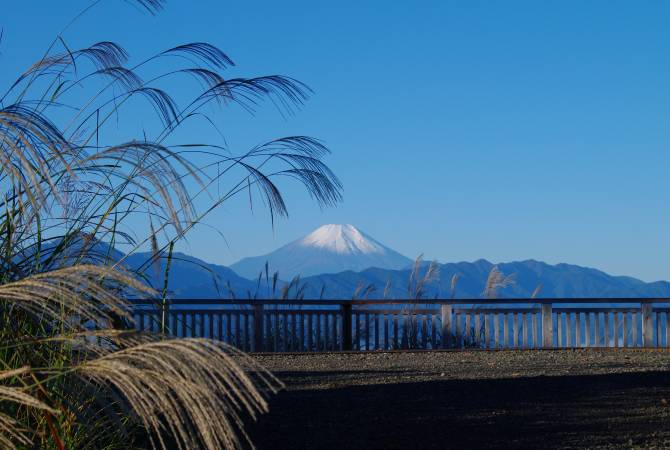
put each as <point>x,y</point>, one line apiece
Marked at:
<point>617,410</point>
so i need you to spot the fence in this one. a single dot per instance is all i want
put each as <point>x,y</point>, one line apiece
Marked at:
<point>323,325</point>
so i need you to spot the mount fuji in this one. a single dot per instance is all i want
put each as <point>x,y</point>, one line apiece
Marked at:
<point>328,249</point>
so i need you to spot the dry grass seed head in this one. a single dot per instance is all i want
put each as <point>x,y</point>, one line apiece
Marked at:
<point>495,281</point>
<point>81,291</point>
<point>454,282</point>
<point>11,431</point>
<point>196,388</point>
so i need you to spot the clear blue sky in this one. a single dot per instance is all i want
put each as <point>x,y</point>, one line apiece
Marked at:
<point>463,130</point>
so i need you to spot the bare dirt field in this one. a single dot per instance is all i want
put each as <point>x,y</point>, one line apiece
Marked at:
<point>468,399</point>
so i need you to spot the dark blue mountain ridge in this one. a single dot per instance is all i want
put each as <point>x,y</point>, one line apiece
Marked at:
<point>191,277</point>
<point>557,281</point>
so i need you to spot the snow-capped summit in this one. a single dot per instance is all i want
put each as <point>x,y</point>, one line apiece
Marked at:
<point>341,239</point>
<point>328,249</point>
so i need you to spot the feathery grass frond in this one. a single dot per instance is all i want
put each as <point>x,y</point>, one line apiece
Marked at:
<point>294,284</point>
<point>12,432</point>
<point>202,51</point>
<point>362,290</point>
<point>536,291</point>
<point>454,282</point>
<point>387,289</point>
<point>418,284</point>
<point>151,6</point>
<point>196,389</point>
<point>87,292</point>
<point>495,281</point>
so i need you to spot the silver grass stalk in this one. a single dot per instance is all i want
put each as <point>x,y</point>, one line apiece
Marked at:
<point>197,389</point>
<point>495,281</point>
<point>12,432</point>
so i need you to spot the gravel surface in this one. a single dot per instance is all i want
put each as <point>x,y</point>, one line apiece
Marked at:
<point>468,399</point>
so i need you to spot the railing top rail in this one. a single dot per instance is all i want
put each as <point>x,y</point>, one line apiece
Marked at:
<point>462,301</point>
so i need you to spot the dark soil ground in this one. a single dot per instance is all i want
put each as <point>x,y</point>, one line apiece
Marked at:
<point>468,399</point>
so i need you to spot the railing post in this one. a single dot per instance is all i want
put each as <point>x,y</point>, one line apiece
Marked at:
<point>445,312</point>
<point>647,325</point>
<point>258,327</point>
<point>547,326</point>
<point>346,326</point>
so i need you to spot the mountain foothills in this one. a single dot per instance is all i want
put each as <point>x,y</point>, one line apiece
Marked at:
<point>553,281</point>
<point>340,261</point>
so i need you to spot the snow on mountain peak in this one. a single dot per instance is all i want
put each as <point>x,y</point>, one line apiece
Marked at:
<point>328,249</point>
<point>341,239</point>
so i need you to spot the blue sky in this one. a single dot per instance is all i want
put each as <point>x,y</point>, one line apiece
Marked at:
<point>461,130</point>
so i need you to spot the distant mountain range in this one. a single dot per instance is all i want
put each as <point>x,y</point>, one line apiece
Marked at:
<point>561,280</point>
<point>336,261</point>
<point>191,277</point>
<point>339,261</point>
